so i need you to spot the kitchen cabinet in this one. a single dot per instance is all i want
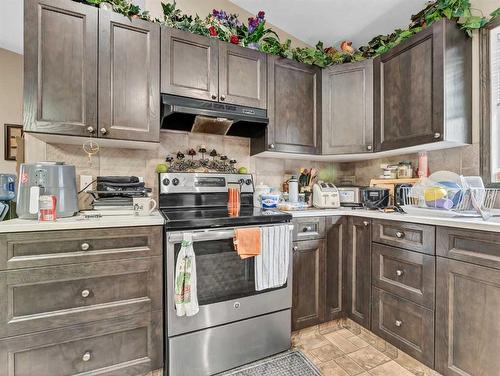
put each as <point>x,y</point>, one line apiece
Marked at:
<point>60,67</point>
<point>205,68</point>
<point>423,89</point>
<point>467,330</point>
<point>129,78</point>
<point>308,302</point>
<point>347,105</point>
<point>336,246</point>
<point>293,107</point>
<point>81,301</point>
<point>411,236</point>
<point>358,271</point>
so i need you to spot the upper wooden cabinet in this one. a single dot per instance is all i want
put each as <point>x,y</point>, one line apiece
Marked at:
<point>293,107</point>
<point>67,85</point>
<point>206,68</point>
<point>347,105</point>
<point>423,89</point>
<point>129,75</point>
<point>60,67</point>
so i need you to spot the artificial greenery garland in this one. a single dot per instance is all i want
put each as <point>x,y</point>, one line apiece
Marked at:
<point>227,27</point>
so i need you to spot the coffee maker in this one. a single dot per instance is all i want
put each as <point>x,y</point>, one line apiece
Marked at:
<point>46,178</point>
<point>7,195</point>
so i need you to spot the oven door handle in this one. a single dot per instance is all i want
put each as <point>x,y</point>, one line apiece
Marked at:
<point>207,235</point>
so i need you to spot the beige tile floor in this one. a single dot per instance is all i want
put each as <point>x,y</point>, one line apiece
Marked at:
<point>343,348</point>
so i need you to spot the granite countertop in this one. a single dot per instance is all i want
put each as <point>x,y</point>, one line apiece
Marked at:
<point>492,225</point>
<point>79,222</point>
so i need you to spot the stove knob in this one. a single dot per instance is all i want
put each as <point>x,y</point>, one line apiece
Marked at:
<point>248,182</point>
<point>166,181</point>
<point>175,181</point>
<point>241,181</point>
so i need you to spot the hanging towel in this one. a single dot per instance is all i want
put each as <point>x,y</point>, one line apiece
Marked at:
<point>186,295</point>
<point>271,266</point>
<point>247,242</point>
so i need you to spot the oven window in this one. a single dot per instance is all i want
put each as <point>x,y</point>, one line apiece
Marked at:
<point>221,274</point>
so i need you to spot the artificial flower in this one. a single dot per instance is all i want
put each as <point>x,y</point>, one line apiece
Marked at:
<point>234,39</point>
<point>212,31</point>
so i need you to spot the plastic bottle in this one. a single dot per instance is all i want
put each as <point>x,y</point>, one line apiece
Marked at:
<point>423,165</point>
<point>293,189</point>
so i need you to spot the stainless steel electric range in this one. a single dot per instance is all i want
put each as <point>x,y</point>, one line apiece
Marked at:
<point>235,324</point>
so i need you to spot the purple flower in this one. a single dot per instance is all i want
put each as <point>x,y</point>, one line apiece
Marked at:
<point>253,23</point>
<point>261,15</point>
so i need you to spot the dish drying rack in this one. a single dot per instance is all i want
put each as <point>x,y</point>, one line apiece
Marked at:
<point>466,201</point>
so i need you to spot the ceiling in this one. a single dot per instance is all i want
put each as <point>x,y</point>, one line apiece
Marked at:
<point>11,25</point>
<point>333,21</point>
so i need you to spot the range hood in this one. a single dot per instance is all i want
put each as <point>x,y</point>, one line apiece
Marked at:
<point>201,116</point>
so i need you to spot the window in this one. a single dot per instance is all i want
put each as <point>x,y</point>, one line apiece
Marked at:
<point>490,102</point>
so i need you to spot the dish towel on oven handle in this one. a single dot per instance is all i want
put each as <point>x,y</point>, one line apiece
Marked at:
<point>186,295</point>
<point>271,266</point>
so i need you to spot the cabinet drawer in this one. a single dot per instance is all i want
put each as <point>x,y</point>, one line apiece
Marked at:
<point>406,325</point>
<point>410,275</point>
<point>120,347</point>
<point>308,228</point>
<point>47,298</point>
<point>33,249</point>
<point>476,247</point>
<point>411,236</point>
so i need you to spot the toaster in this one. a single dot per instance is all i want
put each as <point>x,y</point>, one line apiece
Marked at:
<point>325,196</point>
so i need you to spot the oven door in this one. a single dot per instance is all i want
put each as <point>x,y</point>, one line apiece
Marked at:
<point>226,287</point>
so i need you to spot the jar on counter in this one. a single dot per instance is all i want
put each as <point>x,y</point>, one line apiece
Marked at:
<point>405,170</point>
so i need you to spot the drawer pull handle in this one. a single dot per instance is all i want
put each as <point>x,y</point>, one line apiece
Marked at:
<point>307,229</point>
<point>85,246</point>
<point>398,323</point>
<point>366,223</point>
<point>295,248</point>
<point>87,356</point>
<point>399,273</point>
<point>400,235</point>
<point>85,293</point>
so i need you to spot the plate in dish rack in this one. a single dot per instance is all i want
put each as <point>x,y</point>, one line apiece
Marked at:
<point>438,213</point>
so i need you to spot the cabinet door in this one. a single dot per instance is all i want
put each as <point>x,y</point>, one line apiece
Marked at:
<point>336,245</point>
<point>242,76</point>
<point>467,330</point>
<point>347,105</point>
<point>358,275</point>
<point>189,65</point>
<point>408,91</point>
<point>294,107</point>
<point>308,306</point>
<point>60,67</point>
<point>129,76</point>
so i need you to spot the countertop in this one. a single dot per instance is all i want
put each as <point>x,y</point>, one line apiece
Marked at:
<point>79,222</point>
<point>492,225</point>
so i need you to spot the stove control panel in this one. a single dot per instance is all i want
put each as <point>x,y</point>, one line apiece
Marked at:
<point>187,182</point>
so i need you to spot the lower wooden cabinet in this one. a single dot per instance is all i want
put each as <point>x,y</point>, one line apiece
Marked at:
<point>467,326</point>
<point>358,271</point>
<point>308,283</point>
<point>406,325</point>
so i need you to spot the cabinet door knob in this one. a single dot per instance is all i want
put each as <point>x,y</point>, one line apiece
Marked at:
<point>86,356</point>
<point>437,135</point>
<point>271,146</point>
<point>295,248</point>
<point>214,96</point>
<point>400,234</point>
<point>222,97</point>
<point>399,273</point>
<point>104,130</point>
<point>368,147</point>
<point>307,229</point>
<point>90,129</point>
<point>398,323</point>
<point>85,293</point>
<point>85,246</point>
<point>366,223</point>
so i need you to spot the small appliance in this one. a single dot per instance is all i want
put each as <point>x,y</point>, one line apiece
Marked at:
<point>350,196</point>
<point>375,197</point>
<point>46,178</point>
<point>401,193</point>
<point>7,195</point>
<point>325,196</point>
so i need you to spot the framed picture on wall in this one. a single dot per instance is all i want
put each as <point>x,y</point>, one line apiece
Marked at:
<point>10,145</point>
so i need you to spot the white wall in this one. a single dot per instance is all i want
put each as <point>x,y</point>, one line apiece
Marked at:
<point>11,99</point>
